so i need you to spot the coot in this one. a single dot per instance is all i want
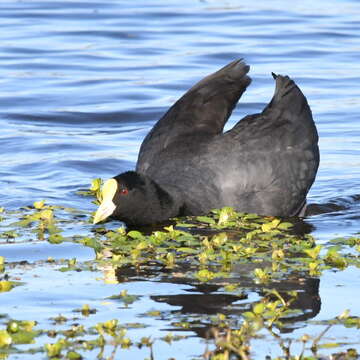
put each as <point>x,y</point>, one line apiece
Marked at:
<point>187,165</point>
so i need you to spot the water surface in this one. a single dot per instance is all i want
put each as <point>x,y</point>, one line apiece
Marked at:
<point>82,82</point>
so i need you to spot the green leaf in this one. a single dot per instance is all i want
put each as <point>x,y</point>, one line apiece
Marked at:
<point>24,337</point>
<point>47,215</point>
<point>205,219</point>
<point>39,204</point>
<point>205,275</point>
<point>187,250</point>
<point>248,315</point>
<point>12,327</point>
<point>92,243</point>
<point>225,215</point>
<point>5,339</point>
<point>153,313</point>
<point>5,286</point>
<point>72,355</point>
<point>258,308</point>
<point>96,188</point>
<point>344,315</point>
<point>251,216</point>
<point>134,234</point>
<point>219,239</point>
<point>53,349</point>
<point>329,345</point>
<point>96,184</point>
<point>270,225</point>
<point>261,275</point>
<point>285,226</point>
<point>11,234</point>
<point>185,225</point>
<point>56,239</point>
<point>314,252</point>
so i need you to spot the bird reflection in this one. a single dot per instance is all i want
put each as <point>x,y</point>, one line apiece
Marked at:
<point>210,299</point>
<point>202,300</point>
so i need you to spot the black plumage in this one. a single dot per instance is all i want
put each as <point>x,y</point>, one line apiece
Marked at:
<point>187,166</point>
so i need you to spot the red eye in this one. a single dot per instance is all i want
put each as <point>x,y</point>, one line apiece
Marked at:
<point>124,191</point>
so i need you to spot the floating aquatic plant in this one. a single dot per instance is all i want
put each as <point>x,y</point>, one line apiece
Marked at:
<point>225,249</point>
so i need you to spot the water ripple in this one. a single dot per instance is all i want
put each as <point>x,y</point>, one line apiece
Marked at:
<point>82,82</point>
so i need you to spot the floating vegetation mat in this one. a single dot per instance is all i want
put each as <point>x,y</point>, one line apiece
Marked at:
<point>251,288</point>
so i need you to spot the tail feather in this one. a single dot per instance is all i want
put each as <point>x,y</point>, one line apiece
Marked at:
<point>288,96</point>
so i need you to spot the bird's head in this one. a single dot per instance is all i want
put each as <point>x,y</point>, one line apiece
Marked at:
<point>122,197</point>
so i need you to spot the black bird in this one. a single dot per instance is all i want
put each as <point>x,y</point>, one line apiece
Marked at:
<point>187,165</point>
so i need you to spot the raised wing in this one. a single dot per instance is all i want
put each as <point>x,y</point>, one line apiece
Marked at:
<point>277,151</point>
<point>202,111</point>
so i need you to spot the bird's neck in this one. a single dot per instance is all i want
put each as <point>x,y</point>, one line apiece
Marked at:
<point>162,202</point>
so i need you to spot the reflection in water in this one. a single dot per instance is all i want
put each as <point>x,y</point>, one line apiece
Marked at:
<point>335,206</point>
<point>308,300</point>
<point>209,298</point>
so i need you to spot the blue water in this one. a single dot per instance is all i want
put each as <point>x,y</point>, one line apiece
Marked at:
<point>82,82</point>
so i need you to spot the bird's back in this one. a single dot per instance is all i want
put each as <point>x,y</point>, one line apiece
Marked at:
<point>268,161</point>
<point>265,164</point>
